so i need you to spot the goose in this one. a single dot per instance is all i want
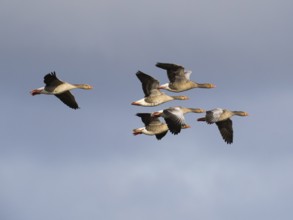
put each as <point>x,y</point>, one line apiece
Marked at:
<point>174,117</point>
<point>153,126</point>
<point>153,96</point>
<point>222,118</point>
<point>179,79</point>
<point>54,86</point>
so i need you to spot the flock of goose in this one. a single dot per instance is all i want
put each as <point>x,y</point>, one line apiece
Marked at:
<point>179,81</point>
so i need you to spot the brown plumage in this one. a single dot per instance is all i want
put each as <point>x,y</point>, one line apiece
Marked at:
<point>174,117</point>
<point>179,79</point>
<point>153,126</point>
<point>153,96</point>
<point>222,118</point>
<point>54,86</point>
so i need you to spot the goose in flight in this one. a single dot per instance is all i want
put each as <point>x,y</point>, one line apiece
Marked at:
<point>153,96</point>
<point>179,79</point>
<point>222,118</point>
<point>153,126</point>
<point>54,86</point>
<point>174,117</point>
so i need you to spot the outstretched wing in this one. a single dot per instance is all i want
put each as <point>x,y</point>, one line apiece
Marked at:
<point>174,118</point>
<point>51,80</point>
<point>148,83</point>
<point>145,117</point>
<point>68,99</point>
<point>175,72</point>
<point>161,135</point>
<point>226,130</point>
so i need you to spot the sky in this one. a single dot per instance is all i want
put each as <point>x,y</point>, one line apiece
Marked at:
<point>59,163</point>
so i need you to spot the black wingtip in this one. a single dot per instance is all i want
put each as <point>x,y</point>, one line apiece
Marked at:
<point>158,64</point>
<point>53,73</point>
<point>73,107</point>
<point>228,141</point>
<point>175,132</point>
<point>143,114</point>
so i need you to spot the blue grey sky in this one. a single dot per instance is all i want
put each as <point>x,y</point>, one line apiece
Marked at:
<point>58,163</point>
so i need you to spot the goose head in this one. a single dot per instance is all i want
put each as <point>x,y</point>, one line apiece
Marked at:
<point>83,86</point>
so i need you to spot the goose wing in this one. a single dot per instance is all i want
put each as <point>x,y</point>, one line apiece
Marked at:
<point>51,80</point>
<point>68,99</point>
<point>147,119</point>
<point>174,118</point>
<point>161,135</point>
<point>226,130</point>
<point>149,84</point>
<point>175,72</point>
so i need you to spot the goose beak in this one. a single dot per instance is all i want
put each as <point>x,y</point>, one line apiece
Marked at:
<point>89,87</point>
<point>186,126</point>
<point>35,92</point>
<point>201,119</point>
<point>156,114</point>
